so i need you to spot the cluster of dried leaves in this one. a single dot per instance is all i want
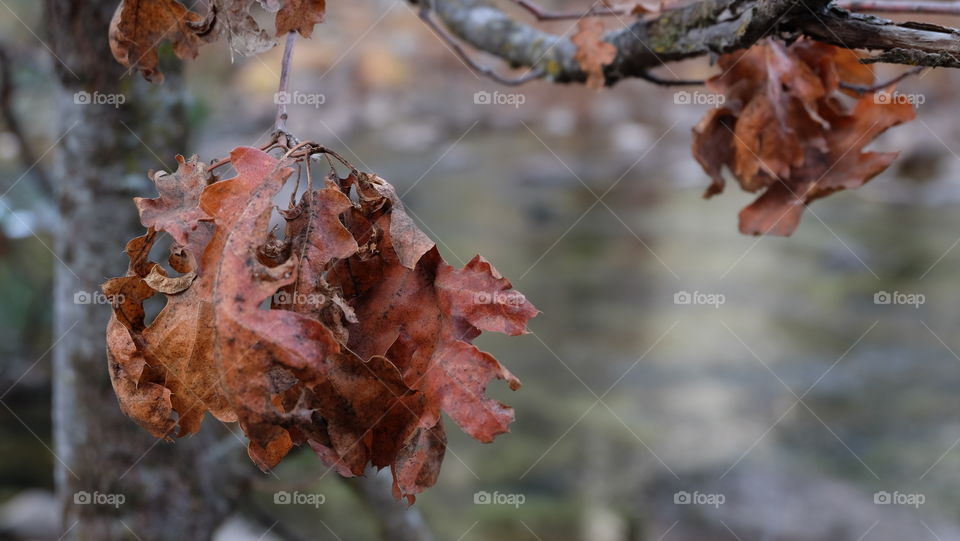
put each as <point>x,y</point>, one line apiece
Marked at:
<point>787,129</point>
<point>365,341</point>
<point>139,27</point>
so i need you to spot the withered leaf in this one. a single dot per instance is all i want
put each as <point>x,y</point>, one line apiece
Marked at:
<point>233,18</point>
<point>593,53</point>
<point>366,339</point>
<point>140,26</point>
<point>300,16</point>
<point>785,129</point>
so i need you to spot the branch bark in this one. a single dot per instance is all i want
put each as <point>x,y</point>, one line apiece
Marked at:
<point>901,6</point>
<point>708,27</point>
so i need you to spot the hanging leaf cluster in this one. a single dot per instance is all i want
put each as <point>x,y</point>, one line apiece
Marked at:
<point>140,27</point>
<point>786,129</point>
<point>343,330</point>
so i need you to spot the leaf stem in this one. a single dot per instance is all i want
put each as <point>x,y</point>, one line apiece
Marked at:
<point>283,91</point>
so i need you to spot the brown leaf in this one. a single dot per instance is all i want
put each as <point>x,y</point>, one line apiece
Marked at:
<point>784,129</point>
<point>366,340</point>
<point>233,19</point>
<point>300,16</point>
<point>140,26</point>
<point>592,52</point>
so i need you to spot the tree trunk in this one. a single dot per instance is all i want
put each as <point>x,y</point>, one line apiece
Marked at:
<point>168,492</point>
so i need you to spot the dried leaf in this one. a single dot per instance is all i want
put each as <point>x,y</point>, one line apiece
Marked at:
<point>592,52</point>
<point>300,16</point>
<point>233,18</point>
<point>785,130</point>
<point>367,338</point>
<point>140,26</point>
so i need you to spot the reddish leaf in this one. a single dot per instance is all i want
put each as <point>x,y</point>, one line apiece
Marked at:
<point>300,16</point>
<point>783,129</point>
<point>140,26</point>
<point>366,340</point>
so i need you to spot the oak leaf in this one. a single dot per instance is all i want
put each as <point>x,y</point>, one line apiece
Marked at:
<point>593,53</point>
<point>140,26</point>
<point>785,129</point>
<point>366,337</point>
<point>300,16</point>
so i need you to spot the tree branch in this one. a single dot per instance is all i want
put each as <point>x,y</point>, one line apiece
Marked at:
<point>708,27</point>
<point>900,6</point>
<point>547,15</point>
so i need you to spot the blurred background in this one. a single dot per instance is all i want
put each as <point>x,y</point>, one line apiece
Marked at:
<point>786,401</point>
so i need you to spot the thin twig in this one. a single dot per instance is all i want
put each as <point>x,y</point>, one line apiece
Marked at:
<point>901,6</point>
<point>649,77</point>
<point>27,156</point>
<point>283,92</point>
<point>458,49</point>
<point>880,86</point>
<point>547,15</point>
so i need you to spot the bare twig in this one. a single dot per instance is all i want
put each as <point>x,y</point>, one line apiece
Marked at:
<point>900,6</point>
<point>880,86</point>
<point>702,28</point>
<point>546,15</point>
<point>533,73</point>
<point>27,156</point>
<point>650,78</point>
<point>283,92</point>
